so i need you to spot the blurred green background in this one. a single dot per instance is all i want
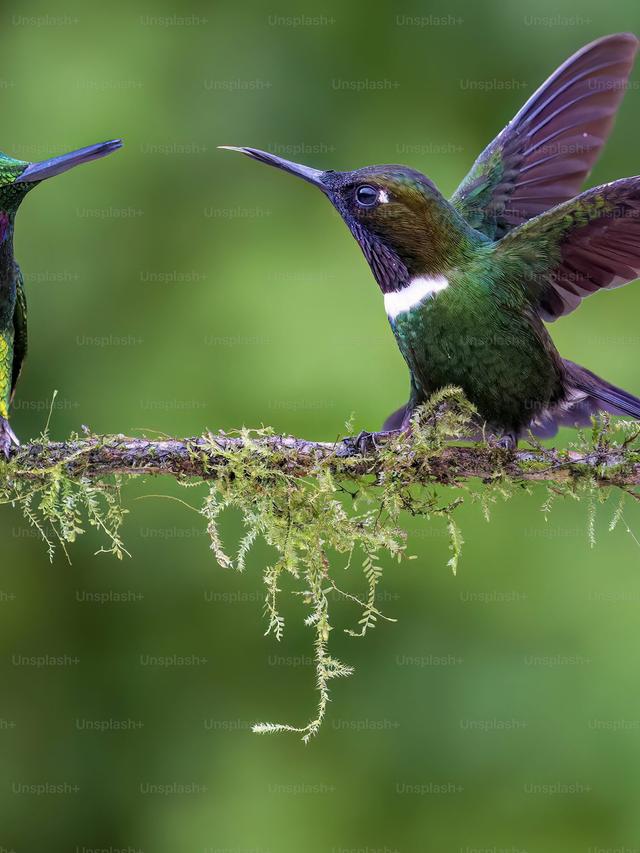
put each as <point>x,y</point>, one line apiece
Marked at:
<point>175,287</point>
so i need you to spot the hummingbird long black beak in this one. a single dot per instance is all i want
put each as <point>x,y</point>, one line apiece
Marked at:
<point>313,176</point>
<point>57,165</point>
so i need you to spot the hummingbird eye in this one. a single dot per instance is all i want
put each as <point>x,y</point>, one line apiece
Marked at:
<point>366,196</point>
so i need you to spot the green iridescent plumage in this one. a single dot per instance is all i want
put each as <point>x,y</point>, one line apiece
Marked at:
<point>16,179</point>
<point>468,283</point>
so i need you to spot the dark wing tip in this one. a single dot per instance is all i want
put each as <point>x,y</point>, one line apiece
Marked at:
<point>627,38</point>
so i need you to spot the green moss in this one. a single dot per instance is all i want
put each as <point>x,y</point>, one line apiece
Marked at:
<point>355,517</point>
<point>59,507</point>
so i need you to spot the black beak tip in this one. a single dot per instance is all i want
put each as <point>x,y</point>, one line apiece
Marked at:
<point>313,176</point>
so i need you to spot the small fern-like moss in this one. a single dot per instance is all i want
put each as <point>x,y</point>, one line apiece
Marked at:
<point>59,506</point>
<point>334,509</point>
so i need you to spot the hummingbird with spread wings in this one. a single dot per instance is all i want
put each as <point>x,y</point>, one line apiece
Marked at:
<point>17,177</point>
<point>468,283</point>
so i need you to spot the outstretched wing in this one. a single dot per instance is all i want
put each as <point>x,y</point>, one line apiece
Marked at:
<point>544,154</point>
<point>20,332</point>
<point>587,244</point>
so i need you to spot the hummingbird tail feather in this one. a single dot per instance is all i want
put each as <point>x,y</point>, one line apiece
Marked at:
<point>8,438</point>
<point>396,420</point>
<point>608,397</point>
<point>587,394</point>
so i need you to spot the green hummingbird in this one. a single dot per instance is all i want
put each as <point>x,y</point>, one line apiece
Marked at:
<point>468,283</point>
<point>17,177</point>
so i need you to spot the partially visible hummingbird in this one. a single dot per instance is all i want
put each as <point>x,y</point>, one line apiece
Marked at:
<point>16,179</point>
<point>467,283</point>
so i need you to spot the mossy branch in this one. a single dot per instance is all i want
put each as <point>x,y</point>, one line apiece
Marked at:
<point>318,503</point>
<point>206,457</point>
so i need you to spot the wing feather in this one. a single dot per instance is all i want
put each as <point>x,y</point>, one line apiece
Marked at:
<point>587,244</point>
<point>545,153</point>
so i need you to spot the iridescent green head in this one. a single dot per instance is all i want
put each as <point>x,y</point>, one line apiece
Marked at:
<point>401,221</point>
<point>17,177</point>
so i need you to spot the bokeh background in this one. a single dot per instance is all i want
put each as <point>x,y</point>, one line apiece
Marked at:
<point>175,287</point>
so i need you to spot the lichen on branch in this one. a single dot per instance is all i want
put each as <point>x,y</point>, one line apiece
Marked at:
<point>309,500</point>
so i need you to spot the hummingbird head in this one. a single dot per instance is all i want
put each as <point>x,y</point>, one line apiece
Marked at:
<point>403,224</point>
<point>17,177</point>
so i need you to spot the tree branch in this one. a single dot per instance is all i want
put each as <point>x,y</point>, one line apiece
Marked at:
<point>206,457</point>
<point>291,493</point>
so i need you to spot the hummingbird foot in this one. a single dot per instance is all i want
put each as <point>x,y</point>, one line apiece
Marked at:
<point>8,439</point>
<point>379,438</point>
<point>366,442</point>
<point>507,441</point>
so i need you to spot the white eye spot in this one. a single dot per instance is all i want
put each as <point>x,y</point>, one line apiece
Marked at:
<point>383,197</point>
